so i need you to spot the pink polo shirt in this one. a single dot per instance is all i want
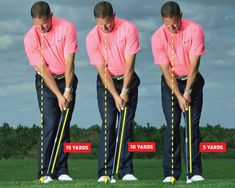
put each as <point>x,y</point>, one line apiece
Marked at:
<point>189,40</point>
<point>60,40</point>
<point>123,40</point>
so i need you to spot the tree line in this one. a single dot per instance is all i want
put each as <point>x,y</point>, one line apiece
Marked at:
<point>22,142</point>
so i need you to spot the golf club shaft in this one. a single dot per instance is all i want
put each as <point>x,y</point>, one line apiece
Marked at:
<point>186,144</point>
<point>54,145</point>
<point>116,145</point>
<point>120,144</point>
<point>190,139</point>
<point>61,134</point>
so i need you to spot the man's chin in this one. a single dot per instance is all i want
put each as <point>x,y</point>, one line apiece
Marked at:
<point>174,31</point>
<point>106,31</point>
<point>43,31</point>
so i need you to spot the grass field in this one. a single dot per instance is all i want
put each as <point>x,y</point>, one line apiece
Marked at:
<point>22,173</point>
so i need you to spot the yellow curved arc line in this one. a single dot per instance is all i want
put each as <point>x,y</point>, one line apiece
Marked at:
<point>58,146</point>
<point>120,143</point>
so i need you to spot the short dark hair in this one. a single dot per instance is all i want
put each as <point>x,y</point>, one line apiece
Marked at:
<point>170,9</point>
<point>103,9</point>
<point>40,9</point>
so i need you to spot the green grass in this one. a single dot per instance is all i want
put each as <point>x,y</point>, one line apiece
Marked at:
<point>22,173</point>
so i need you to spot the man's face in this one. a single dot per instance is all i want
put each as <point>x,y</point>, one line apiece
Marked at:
<point>43,24</point>
<point>105,24</point>
<point>172,24</point>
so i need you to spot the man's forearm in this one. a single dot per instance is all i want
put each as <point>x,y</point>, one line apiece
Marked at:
<point>128,75</point>
<point>190,79</point>
<point>69,76</point>
<point>193,70</point>
<point>129,71</point>
<point>108,82</point>
<point>69,70</point>
<point>170,80</point>
<point>49,80</point>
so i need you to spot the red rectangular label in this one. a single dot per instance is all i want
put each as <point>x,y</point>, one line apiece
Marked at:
<point>215,147</point>
<point>77,147</point>
<point>141,146</point>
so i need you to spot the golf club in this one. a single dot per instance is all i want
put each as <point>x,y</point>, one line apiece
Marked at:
<point>188,180</point>
<point>120,144</point>
<point>190,139</point>
<point>63,120</point>
<point>116,146</point>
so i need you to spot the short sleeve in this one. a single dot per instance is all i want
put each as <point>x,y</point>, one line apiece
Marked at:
<point>93,50</point>
<point>158,50</point>
<point>32,51</point>
<point>132,40</point>
<point>70,40</point>
<point>198,46</point>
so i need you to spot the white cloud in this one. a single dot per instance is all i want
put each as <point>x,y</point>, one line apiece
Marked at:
<point>9,41</point>
<point>13,26</point>
<point>147,24</point>
<point>16,90</point>
<point>231,52</point>
<point>82,64</point>
<point>6,41</point>
<point>219,62</point>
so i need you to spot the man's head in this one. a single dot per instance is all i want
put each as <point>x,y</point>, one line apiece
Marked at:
<point>171,16</point>
<point>104,16</point>
<point>42,16</point>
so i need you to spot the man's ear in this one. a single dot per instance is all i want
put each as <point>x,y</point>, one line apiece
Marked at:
<point>181,14</point>
<point>114,14</point>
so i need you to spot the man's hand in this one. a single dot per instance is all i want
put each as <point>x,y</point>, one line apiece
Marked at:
<point>183,103</point>
<point>120,103</point>
<point>63,102</point>
<point>68,95</point>
<point>124,96</point>
<point>187,96</point>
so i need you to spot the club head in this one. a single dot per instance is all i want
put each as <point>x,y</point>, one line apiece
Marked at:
<point>113,180</point>
<point>189,181</point>
<point>44,179</point>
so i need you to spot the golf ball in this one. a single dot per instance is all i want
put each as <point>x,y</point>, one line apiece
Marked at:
<point>41,180</point>
<point>172,180</point>
<point>106,179</point>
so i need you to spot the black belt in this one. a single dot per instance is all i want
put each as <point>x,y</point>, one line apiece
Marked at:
<point>55,76</point>
<point>182,78</point>
<point>58,76</point>
<point>118,77</point>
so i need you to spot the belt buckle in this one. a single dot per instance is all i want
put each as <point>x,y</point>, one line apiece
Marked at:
<point>58,77</point>
<point>120,78</point>
<point>184,78</point>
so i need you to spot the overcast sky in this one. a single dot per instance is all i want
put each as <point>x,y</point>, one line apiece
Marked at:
<point>18,103</point>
